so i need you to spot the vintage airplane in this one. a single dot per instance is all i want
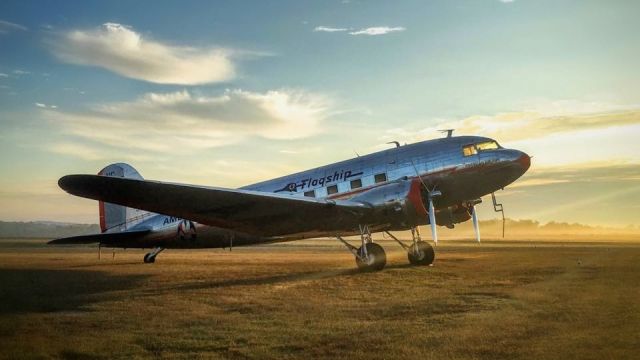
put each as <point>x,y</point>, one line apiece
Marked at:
<point>435,182</point>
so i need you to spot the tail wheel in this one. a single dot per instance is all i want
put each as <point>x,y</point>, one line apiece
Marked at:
<point>374,260</point>
<point>149,258</point>
<point>421,253</point>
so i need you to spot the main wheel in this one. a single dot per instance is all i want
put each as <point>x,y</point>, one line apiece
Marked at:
<point>424,256</point>
<point>375,260</point>
<point>148,258</point>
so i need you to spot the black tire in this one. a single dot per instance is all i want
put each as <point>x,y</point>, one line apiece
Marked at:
<point>376,259</point>
<point>424,256</point>
<point>149,259</point>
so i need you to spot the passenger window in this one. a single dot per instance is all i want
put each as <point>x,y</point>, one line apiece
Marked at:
<point>356,183</point>
<point>469,150</point>
<point>311,193</point>
<point>487,145</point>
<point>332,189</point>
<point>378,178</point>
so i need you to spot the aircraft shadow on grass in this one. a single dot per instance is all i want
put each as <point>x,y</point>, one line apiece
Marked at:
<point>276,279</point>
<point>47,291</point>
<point>42,291</point>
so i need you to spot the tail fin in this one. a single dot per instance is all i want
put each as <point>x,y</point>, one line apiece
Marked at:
<point>117,218</point>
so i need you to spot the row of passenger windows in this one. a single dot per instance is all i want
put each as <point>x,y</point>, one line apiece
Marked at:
<point>473,149</point>
<point>355,184</point>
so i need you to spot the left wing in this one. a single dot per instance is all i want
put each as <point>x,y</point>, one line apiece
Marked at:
<point>253,212</point>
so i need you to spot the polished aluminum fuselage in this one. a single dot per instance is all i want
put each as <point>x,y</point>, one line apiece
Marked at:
<point>428,159</point>
<point>440,164</point>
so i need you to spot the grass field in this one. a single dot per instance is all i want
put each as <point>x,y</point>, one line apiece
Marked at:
<point>498,300</point>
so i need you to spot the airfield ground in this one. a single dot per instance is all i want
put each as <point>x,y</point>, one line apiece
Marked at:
<point>498,300</point>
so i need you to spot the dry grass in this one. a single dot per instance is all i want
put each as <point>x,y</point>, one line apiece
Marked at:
<point>495,300</point>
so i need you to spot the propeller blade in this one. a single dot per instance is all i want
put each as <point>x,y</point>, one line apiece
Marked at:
<point>432,212</point>
<point>432,221</point>
<point>476,224</point>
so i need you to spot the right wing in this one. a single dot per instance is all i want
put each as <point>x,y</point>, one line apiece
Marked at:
<point>253,212</point>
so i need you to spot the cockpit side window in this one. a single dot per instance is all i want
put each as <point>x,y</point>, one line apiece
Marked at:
<point>469,150</point>
<point>487,145</point>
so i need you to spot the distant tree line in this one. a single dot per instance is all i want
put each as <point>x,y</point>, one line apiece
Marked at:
<point>43,229</point>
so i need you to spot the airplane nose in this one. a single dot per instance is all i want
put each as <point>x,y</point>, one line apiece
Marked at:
<point>524,160</point>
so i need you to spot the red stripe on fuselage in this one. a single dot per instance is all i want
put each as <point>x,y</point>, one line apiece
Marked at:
<point>448,171</point>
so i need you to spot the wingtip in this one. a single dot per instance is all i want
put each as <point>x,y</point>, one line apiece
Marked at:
<point>63,182</point>
<point>68,182</point>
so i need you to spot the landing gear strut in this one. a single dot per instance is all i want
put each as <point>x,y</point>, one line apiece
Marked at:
<point>369,256</point>
<point>151,256</point>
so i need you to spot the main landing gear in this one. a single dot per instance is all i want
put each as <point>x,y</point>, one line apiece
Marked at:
<point>151,256</point>
<point>369,256</point>
<point>420,252</point>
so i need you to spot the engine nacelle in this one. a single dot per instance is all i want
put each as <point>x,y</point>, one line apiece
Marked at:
<point>398,204</point>
<point>452,215</point>
<point>401,205</point>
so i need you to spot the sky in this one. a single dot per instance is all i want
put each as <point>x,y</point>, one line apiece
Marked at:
<point>231,93</point>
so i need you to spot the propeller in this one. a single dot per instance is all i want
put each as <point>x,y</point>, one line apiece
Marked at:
<point>432,215</point>
<point>432,212</point>
<point>476,225</point>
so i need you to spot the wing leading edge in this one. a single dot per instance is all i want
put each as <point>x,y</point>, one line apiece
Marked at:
<point>253,212</point>
<point>105,238</point>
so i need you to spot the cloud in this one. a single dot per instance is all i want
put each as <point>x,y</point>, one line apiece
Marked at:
<point>587,173</point>
<point>4,75</point>
<point>506,1</point>
<point>180,122</point>
<point>378,30</point>
<point>543,121</point>
<point>328,29</point>
<point>529,125</point>
<point>371,31</point>
<point>21,72</point>
<point>120,49</point>
<point>80,151</point>
<point>7,27</point>
<point>554,140</point>
<point>91,153</point>
<point>44,106</point>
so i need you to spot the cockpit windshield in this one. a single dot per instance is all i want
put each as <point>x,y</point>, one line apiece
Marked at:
<point>473,149</point>
<point>487,145</point>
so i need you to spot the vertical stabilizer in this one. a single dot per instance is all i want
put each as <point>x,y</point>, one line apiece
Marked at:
<point>116,218</point>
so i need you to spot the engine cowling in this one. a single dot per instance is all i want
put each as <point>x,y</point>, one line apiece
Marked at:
<point>398,204</point>
<point>401,205</point>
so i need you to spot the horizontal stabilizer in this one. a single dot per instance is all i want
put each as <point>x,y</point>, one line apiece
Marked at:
<point>108,238</point>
